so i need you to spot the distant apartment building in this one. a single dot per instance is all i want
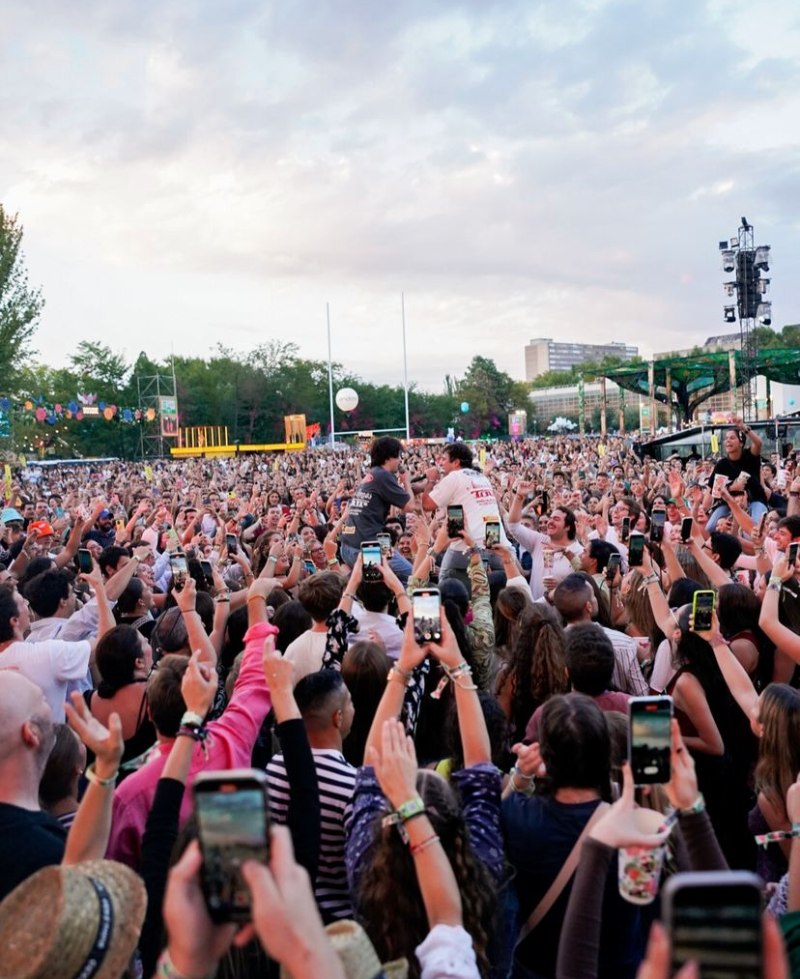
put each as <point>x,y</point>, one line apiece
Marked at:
<point>544,354</point>
<point>551,402</point>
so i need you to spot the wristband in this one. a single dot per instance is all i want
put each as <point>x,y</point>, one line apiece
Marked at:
<point>94,778</point>
<point>424,844</point>
<point>166,970</point>
<point>412,807</point>
<point>408,810</point>
<point>699,805</point>
<point>332,562</point>
<point>763,839</point>
<point>191,719</point>
<point>395,674</point>
<point>350,595</point>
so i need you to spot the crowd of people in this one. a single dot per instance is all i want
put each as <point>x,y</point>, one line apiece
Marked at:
<point>422,657</point>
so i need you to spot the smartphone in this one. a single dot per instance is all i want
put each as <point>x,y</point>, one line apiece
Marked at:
<point>625,530</point>
<point>208,571</point>
<point>791,553</point>
<point>657,520</point>
<point>636,550</point>
<point>232,826</point>
<point>172,540</point>
<point>491,533</point>
<point>120,523</point>
<point>385,540</point>
<point>231,543</point>
<point>613,566</point>
<point>179,570</point>
<point>703,604</point>
<point>310,567</point>
<point>686,529</point>
<point>762,523</point>
<point>85,560</point>
<point>714,917</point>
<point>371,560</point>
<point>455,520</point>
<point>426,604</point>
<point>649,739</point>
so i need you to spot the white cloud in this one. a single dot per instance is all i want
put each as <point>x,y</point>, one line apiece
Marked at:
<point>189,172</point>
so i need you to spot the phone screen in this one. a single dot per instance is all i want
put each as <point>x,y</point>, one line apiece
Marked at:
<point>426,603</point>
<point>310,567</point>
<point>179,569</point>
<point>636,550</point>
<point>649,739</point>
<point>614,562</point>
<point>717,924</point>
<point>208,571</point>
<point>625,531</point>
<point>455,520</point>
<point>385,541</point>
<point>371,560</point>
<point>85,560</point>
<point>703,604</point>
<point>491,532</point>
<point>791,555</point>
<point>686,529</point>
<point>657,520</point>
<point>232,826</point>
<point>231,543</point>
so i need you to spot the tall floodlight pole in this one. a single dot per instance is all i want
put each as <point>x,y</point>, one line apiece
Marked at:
<point>405,362</point>
<point>330,368</point>
<point>747,261</point>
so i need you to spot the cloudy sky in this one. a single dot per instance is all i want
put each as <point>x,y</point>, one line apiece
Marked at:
<point>191,172</point>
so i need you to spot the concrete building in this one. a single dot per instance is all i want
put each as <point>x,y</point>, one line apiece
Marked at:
<point>552,402</point>
<point>544,354</point>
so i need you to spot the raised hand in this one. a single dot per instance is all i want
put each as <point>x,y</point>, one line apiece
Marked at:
<point>104,742</point>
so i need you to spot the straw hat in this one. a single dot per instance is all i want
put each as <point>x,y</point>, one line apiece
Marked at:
<point>357,955</point>
<point>55,923</point>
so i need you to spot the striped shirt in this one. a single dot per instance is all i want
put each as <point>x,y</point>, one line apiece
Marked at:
<point>336,779</point>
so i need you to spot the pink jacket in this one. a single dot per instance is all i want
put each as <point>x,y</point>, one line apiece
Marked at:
<point>230,745</point>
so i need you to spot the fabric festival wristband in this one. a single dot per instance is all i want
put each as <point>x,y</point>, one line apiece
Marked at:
<point>776,836</point>
<point>191,719</point>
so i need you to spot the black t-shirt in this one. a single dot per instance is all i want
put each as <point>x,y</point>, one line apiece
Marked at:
<point>370,506</point>
<point>28,841</point>
<point>749,463</point>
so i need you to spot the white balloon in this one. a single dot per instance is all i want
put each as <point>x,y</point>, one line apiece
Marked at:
<point>346,399</point>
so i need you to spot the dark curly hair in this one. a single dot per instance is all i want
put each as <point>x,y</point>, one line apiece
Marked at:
<point>389,899</point>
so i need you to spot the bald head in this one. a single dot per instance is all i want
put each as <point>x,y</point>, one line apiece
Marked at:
<point>26,721</point>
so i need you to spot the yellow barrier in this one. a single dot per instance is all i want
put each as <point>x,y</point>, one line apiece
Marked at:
<point>232,450</point>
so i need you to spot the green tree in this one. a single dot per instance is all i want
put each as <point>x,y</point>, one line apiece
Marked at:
<point>20,305</point>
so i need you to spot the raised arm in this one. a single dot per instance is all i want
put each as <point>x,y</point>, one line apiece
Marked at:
<point>734,674</point>
<point>199,640</point>
<point>665,618</point>
<point>70,549</point>
<point>471,722</point>
<point>89,834</point>
<point>717,577</point>
<point>395,767</point>
<point>786,640</point>
<point>411,655</point>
